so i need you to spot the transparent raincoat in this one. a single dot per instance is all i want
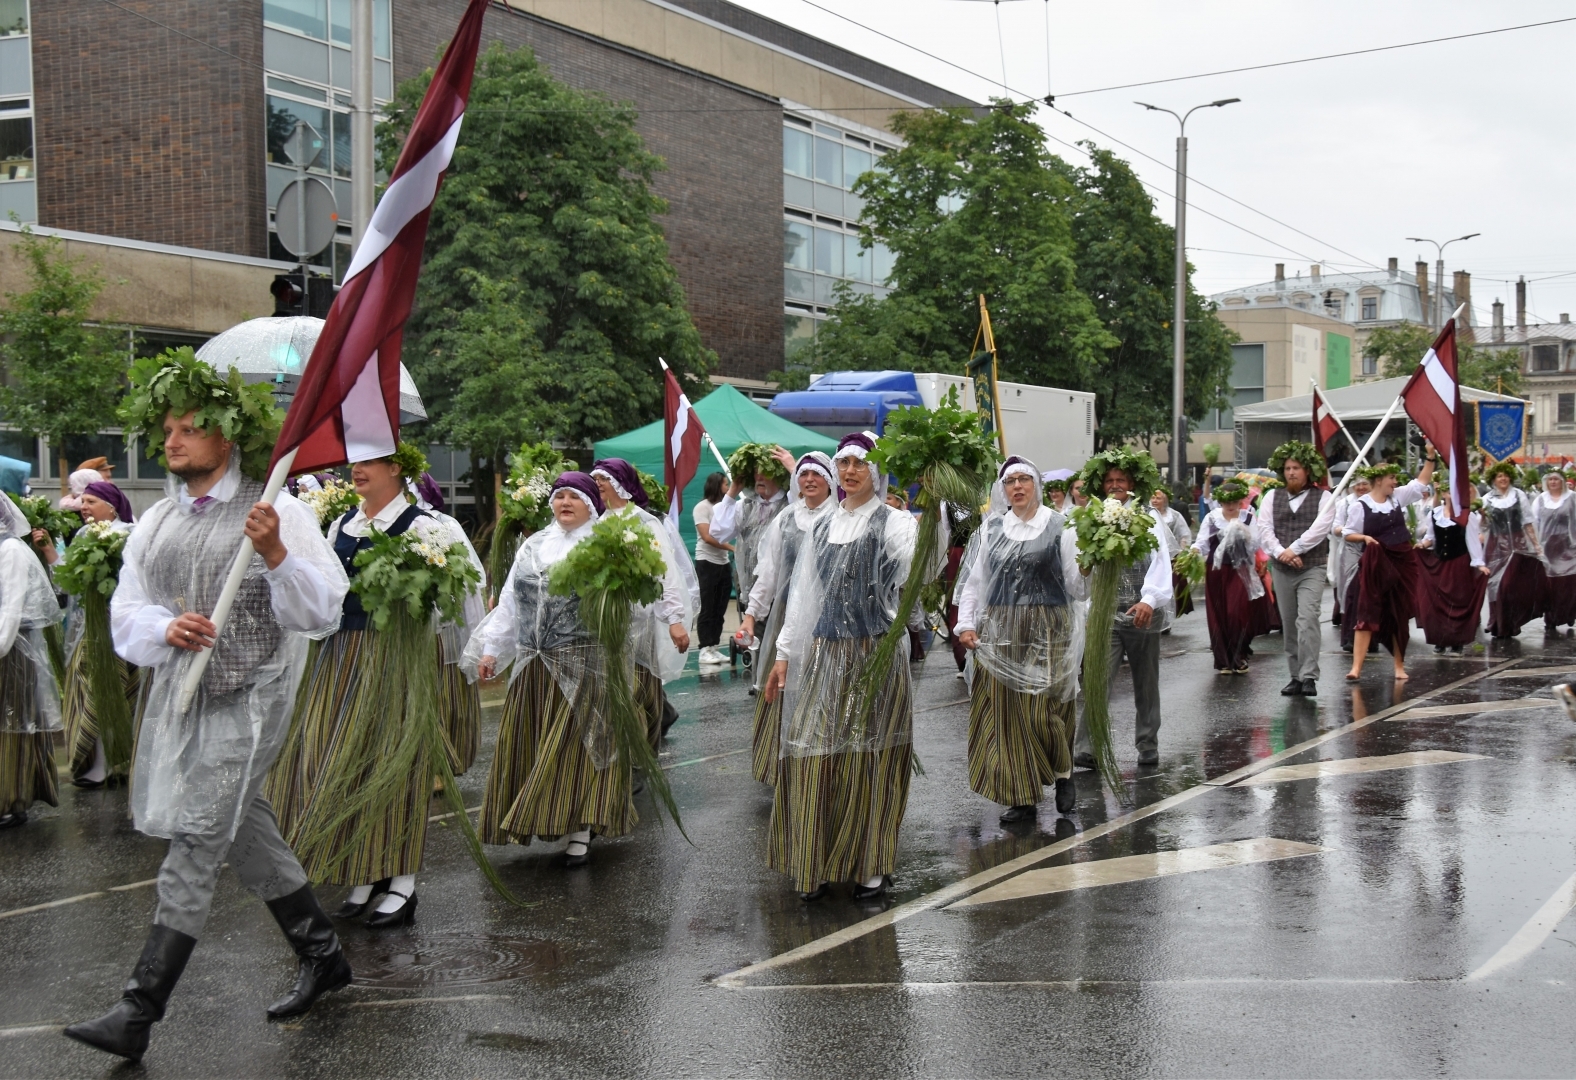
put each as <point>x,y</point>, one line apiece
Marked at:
<point>842,599</point>
<point>1506,521</point>
<point>27,607</point>
<point>651,646</point>
<point>196,772</point>
<point>779,555</point>
<point>1022,594</point>
<point>755,516</point>
<point>1232,545</point>
<point>1556,526</point>
<point>529,623</point>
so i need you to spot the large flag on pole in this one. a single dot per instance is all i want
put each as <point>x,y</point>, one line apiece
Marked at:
<point>1433,400</point>
<point>1326,425</point>
<point>681,443</point>
<point>347,405</point>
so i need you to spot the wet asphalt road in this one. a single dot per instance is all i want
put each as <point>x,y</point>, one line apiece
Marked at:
<point>1358,924</point>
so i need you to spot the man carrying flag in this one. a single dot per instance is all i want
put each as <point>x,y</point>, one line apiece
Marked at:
<point>1432,398</point>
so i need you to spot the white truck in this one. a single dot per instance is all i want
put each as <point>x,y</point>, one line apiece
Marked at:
<point>1052,428</point>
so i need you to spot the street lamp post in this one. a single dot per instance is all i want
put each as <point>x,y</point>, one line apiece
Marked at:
<point>1437,316</point>
<point>1179,433</point>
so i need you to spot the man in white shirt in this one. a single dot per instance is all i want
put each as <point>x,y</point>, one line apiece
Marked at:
<point>1294,525</point>
<point>1143,609</point>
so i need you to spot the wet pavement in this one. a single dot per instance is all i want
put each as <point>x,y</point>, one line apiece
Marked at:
<point>1241,910</point>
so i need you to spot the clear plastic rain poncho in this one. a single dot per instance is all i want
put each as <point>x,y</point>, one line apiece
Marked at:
<point>27,607</point>
<point>755,516</point>
<point>843,598</point>
<point>651,644</point>
<point>196,772</point>
<point>779,553</point>
<point>1556,525</point>
<point>529,623</point>
<point>1232,545</point>
<point>1021,592</point>
<point>1507,522</point>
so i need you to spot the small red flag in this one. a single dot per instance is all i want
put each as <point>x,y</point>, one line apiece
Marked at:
<point>1432,398</point>
<point>1326,426</point>
<point>682,431</point>
<point>347,406</point>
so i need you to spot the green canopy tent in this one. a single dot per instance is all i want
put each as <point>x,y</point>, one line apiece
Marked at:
<point>732,420</point>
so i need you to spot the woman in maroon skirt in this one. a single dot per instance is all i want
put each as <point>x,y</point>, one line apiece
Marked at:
<point>1554,516</point>
<point>1229,543</point>
<point>1387,571</point>
<point>1451,576</point>
<point>1516,583</point>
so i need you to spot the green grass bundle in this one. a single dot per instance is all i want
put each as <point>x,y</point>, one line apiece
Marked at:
<point>656,493</point>
<point>755,459</point>
<point>90,572</point>
<point>524,504</point>
<point>614,569</point>
<point>1188,564</point>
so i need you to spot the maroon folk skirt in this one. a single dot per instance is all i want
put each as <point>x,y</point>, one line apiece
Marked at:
<point>1519,598</point>
<point>1386,585</point>
<point>1231,617</point>
<point>1449,598</point>
<point>1559,599</point>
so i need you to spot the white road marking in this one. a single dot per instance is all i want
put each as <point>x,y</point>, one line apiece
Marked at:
<point>1531,937</point>
<point>699,760</point>
<point>959,889</point>
<point>1472,708</point>
<point>1079,984</point>
<point>451,813</point>
<point>1532,673</point>
<point>30,1029</point>
<point>77,899</point>
<point>1318,770</point>
<point>395,1003</point>
<point>1089,875</point>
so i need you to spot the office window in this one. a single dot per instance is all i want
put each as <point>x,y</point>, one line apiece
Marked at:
<point>797,243</point>
<point>797,152</point>
<point>16,147</point>
<point>1566,409</point>
<point>1370,308</point>
<point>13,17</point>
<point>1370,365</point>
<point>1545,358</point>
<point>1247,387</point>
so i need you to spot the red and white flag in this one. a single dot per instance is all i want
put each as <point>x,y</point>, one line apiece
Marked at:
<point>1432,398</point>
<point>681,442</point>
<point>347,406</point>
<point>1326,425</point>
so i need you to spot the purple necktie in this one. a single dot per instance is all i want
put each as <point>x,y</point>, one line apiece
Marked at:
<point>200,504</point>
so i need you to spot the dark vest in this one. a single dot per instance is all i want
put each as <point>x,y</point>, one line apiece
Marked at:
<point>858,586</point>
<point>1450,541</point>
<point>1386,526</point>
<point>1026,574</point>
<point>346,546</point>
<point>1290,524</point>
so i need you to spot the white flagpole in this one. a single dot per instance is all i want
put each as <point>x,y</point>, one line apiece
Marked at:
<point>232,585</point>
<point>1339,422</point>
<point>721,461</point>
<point>1362,454</point>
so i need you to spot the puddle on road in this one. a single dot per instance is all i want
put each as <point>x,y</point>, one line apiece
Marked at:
<point>425,961</point>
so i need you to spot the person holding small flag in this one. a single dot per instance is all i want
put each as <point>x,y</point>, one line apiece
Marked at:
<point>1294,524</point>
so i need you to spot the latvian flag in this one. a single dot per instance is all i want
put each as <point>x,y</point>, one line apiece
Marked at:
<point>1326,426</point>
<point>681,443</point>
<point>1433,400</point>
<point>347,406</point>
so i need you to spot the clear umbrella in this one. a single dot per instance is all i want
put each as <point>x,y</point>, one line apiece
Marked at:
<point>276,350</point>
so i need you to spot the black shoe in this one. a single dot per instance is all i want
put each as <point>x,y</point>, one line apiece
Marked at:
<point>1085,761</point>
<point>323,967</point>
<point>817,893</point>
<point>347,910</point>
<point>1149,758</point>
<point>124,1029</point>
<point>861,892</point>
<point>13,820</point>
<point>1066,795</point>
<point>1292,689</point>
<point>1015,814</point>
<point>582,859</point>
<point>403,915</point>
<point>85,784</point>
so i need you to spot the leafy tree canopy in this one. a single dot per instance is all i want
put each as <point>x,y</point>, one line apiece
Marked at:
<point>1398,348</point>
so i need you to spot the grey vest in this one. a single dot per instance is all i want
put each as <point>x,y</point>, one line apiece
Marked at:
<point>1130,591</point>
<point>1290,524</point>
<point>188,558</point>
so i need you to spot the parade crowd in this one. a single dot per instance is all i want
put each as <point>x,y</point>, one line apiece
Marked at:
<point>296,766</point>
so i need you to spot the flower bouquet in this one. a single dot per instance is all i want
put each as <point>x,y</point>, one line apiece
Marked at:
<point>403,581</point>
<point>752,459</point>
<point>1188,565</point>
<point>616,567</point>
<point>330,501</point>
<point>90,572</point>
<point>1112,536</point>
<point>523,504</point>
<point>42,513</point>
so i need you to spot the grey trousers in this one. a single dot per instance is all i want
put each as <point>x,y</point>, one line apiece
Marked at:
<point>1142,649</point>
<point>258,855</point>
<point>1300,595</point>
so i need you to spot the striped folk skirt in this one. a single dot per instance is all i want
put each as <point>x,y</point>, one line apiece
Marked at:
<point>1018,742</point>
<point>460,710</point>
<point>543,783</point>
<point>324,721</point>
<point>27,761</point>
<point>78,713</point>
<point>648,700</point>
<point>767,739</point>
<point>835,817</point>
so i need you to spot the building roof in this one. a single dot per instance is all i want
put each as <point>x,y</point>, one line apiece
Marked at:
<point>1565,331</point>
<point>1398,295</point>
<point>1359,402</point>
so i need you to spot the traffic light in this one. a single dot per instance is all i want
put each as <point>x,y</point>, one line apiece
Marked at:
<point>288,295</point>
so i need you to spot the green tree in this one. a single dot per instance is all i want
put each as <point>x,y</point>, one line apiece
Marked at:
<point>970,206</point>
<point>547,294</point>
<point>63,377</point>
<point>1125,264</point>
<point>1397,350</point>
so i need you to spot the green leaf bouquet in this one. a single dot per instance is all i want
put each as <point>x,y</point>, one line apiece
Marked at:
<point>524,503</point>
<point>755,459</point>
<point>616,568</point>
<point>1188,564</point>
<point>90,572</point>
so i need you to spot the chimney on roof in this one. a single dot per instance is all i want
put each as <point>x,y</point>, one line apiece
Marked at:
<point>1394,268</point>
<point>1499,320</point>
<point>1565,316</point>
<point>1280,276</point>
<point>1313,272</point>
<point>1521,303</point>
<point>1463,289</point>
<point>1422,293</point>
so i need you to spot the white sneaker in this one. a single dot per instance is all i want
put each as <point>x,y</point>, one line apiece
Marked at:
<point>710,655</point>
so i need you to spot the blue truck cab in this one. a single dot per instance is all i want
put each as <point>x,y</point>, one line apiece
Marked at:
<point>843,401</point>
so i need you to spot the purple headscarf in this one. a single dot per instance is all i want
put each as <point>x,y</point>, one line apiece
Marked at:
<point>624,477</point>
<point>1026,468</point>
<point>581,484</point>
<point>103,489</point>
<point>431,494</point>
<point>857,442</point>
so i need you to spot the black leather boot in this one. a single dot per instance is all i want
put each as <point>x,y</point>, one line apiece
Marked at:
<point>124,1029</point>
<point>323,967</point>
